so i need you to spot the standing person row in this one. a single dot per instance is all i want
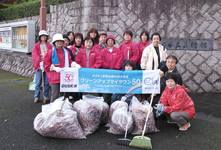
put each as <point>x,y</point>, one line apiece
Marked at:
<point>38,53</point>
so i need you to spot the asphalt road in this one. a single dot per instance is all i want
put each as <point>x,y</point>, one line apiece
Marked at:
<point>17,113</point>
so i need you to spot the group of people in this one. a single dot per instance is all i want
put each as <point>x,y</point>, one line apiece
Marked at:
<point>98,51</point>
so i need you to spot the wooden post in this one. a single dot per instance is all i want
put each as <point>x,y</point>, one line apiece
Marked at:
<point>43,14</point>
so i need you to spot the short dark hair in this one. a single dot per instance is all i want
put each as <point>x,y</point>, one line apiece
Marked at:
<point>131,63</point>
<point>97,36</point>
<point>66,36</point>
<point>146,33</point>
<point>80,35</point>
<point>171,75</point>
<point>39,38</point>
<point>105,34</point>
<point>172,56</point>
<point>155,33</point>
<point>69,32</point>
<point>88,38</point>
<point>128,32</point>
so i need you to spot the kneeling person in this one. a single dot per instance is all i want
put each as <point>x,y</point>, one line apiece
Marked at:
<point>175,102</point>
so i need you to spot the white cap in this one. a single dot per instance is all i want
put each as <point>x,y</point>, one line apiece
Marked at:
<point>43,32</point>
<point>57,37</point>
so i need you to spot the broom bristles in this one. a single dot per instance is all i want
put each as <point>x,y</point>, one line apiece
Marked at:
<point>141,142</point>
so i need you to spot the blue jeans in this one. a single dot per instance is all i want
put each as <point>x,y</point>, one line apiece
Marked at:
<point>38,84</point>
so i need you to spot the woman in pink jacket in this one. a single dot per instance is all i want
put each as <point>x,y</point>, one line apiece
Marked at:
<point>94,34</point>
<point>175,102</point>
<point>129,48</point>
<point>54,62</point>
<point>38,52</point>
<point>88,56</point>
<point>78,44</point>
<point>144,37</point>
<point>111,57</point>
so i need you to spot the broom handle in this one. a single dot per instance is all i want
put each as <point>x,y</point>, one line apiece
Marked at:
<point>149,109</point>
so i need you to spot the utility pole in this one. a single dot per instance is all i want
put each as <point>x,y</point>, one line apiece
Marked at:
<point>43,14</point>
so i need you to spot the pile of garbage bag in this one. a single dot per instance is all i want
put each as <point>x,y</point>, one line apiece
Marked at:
<point>134,119</point>
<point>58,119</point>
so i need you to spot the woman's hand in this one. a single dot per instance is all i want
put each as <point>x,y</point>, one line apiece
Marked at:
<point>161,73</point>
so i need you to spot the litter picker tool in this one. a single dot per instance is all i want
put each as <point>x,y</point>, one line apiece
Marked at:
<point>125,141</point>
<point>143,141</point>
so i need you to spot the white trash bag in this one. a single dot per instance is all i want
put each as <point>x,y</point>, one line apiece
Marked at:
<point>58,119</point>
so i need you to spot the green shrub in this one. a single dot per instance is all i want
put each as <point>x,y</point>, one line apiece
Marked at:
<point>27,9</point>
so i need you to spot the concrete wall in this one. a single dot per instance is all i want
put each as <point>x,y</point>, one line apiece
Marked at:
<point>187,19</point>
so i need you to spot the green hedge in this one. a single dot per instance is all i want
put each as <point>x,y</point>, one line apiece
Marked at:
<point>27,9</point>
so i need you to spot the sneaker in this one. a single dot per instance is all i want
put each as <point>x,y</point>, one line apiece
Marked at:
<point>36,100</point>
<point>171,122</point>
<point>184,127</point>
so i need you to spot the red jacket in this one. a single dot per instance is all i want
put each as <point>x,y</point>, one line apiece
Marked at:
<point>73,48</point>
<point>177,101</point>
<point>133,50</point>
<point>36,54</point>
<point>141,46</point>
<point>113,59</point>
<point>53,76</point>
<point>94,55</point>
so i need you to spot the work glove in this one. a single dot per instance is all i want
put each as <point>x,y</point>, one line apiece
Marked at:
<point>57,69</point>
<point>75,65</point>
<point>159,109</point>
<point>41,66</point>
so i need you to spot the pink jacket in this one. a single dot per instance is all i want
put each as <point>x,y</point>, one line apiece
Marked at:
<point>53,76</point>
<point>36,54</point>
<point>94,55</point>
<point>141,46</point>
<point>113,59</point>
<point>133,50</point>
<point>73,48</point>
<point>178,100</point>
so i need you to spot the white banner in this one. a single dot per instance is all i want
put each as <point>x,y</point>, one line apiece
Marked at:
<point>109,81</point>
<point>149,79</point>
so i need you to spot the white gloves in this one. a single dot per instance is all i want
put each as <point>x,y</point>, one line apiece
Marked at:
<point>75,65</point>
<point>41,66</point>
<point>57,69</point>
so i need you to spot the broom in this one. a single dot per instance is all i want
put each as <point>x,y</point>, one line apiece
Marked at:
<point>125,141</point>
<point>143,141</point>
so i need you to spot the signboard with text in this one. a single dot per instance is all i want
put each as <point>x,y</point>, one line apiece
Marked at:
<point>109,81</point>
